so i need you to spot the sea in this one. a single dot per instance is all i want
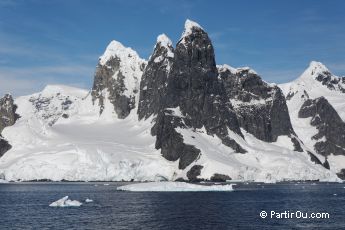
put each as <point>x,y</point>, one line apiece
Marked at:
<point>288,205</point>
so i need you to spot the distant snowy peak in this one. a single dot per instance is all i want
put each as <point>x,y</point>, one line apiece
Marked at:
<point>51,90</point>
<point>316,68</point>
<point>316,81</point>
<point>317,75</point>
<point>115,49</point>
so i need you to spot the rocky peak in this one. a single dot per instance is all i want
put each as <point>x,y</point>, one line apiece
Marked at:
<point>163,50</point>
<point>316,68</point>
<point>117,78</point>
<point>153,83</point>
<point>193,89</point>
<point>320,73</point>
<point>196,42</point>
<point>164,41</point>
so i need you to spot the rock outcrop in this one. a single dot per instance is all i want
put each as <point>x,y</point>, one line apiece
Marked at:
<point>8,117</point>
<point>117,79</point>
<point>8,114</point>
<point>323,75</point>
<point>330,138</point>
<point>260,107</point>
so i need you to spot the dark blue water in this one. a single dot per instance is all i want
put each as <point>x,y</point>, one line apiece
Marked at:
<point>26,206</point>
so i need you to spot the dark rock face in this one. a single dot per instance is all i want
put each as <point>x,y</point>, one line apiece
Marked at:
<point>194,172</point>
<point>115,86</point>
<point>332,83</point>
<point>219,177</point>
<point>153,83</point>
<point>8,117</point>
<point>296,143</point>
<point>316,160</point>
<point>261,108</point>
<point>183,91</point>
<point>8,114</point>
<point>341,174</point>
<point>331,128</point>
<point>171,142</point>
<point>194,88</point>
<point>4,146</point>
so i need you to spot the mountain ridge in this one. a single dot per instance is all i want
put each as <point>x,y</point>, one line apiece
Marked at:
<point>176,116</point>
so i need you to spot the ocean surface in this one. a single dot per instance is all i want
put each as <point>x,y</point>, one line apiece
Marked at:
<point>26,206</point>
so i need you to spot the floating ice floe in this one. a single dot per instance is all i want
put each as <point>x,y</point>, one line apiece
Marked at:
<point>174,187</point>
<point>2,181</point>
<point>65,202</point>
<point>88,200</point>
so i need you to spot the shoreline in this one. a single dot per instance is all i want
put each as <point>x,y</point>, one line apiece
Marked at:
<point>191,182</point>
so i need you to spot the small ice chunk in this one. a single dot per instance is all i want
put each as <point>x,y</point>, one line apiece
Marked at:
<point>65,202</point>
<point>88,200</point>
<point>174,187</point>
<point>105,184</point>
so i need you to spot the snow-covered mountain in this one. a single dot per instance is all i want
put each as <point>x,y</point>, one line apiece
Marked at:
<point>316,102</point>
<point>176,116</point>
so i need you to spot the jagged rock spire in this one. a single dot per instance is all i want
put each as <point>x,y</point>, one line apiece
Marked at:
<point>153,84</point>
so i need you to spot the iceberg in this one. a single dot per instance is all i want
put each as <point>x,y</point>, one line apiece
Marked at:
<point>2,181</point>
<point>65,202</point>
<point>174,187</point>
<point>88,200</point>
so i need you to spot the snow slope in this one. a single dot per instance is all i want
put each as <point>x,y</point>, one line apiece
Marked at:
<point>264,162</point>
<point>88,146</point>
<point>85,146</point>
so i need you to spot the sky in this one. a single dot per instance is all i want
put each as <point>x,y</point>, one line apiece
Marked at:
<point>59,41</point>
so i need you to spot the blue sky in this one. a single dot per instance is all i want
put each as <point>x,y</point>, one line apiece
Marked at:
<point>59,42</point>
